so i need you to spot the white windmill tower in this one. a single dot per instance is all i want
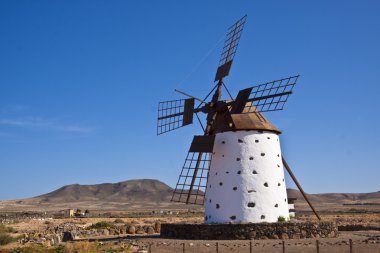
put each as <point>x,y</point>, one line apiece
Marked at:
<point>236,168</point>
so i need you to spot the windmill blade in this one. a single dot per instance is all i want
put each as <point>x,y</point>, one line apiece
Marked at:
<point>229,49</point>
<point>271,96</point>
<point>192,182</point>
<point>174,114</point>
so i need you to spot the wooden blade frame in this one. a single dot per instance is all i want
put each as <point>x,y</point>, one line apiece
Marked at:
<point>229,49</point>
<point>271,96</point>
<point>174,114</point>
<point>192,182</point>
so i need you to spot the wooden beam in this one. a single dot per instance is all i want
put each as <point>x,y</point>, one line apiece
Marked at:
<point>299,187</point>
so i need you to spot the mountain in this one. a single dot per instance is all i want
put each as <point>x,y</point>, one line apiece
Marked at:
<point>152,194</point>
<point>126,195</point>
<point>144,190</point>
<point>337,198</point>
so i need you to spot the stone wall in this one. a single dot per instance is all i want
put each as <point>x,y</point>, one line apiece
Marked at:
<point>249,231</point>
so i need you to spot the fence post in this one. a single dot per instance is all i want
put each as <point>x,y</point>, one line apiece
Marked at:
<point>250,246</point>
<point>351,250</point>
<point>217,247</point>
<point>283,246</point>
<point>317,246</point>
<point>183,247</point>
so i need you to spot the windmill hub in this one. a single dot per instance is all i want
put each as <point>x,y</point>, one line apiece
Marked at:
<point>235,169</point>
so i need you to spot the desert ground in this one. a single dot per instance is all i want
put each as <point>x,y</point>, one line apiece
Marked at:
<point>133,224</point>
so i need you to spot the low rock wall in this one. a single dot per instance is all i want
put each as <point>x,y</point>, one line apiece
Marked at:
<point>250,231</point>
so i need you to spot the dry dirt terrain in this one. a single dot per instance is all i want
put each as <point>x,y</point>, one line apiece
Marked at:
<point>126,217</point>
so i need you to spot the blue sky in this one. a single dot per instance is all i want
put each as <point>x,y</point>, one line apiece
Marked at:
<point>80,82</point>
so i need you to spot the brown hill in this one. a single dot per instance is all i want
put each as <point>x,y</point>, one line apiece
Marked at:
<point>143,190</point>
<point>337,198</point>
<point>148,194</point>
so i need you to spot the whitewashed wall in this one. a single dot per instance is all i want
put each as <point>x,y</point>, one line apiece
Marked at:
<point>246,181</point>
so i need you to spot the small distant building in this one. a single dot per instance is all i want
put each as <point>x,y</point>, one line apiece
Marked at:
<point>292,210</point>
<point>69,213</point>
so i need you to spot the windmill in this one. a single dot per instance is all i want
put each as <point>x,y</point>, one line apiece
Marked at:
<point>235,169</point>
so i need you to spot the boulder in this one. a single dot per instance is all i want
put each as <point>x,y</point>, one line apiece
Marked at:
<point>150,230</point>
<point>132,230</point>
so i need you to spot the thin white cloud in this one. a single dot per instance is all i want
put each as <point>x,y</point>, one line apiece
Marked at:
<point>11,108</point>
<point>35,122</point>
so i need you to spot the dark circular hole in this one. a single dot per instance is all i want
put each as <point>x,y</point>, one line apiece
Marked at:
<point>223,142</point>
<point>279,184</point>
<point>235,188</point>
<point>278,155</point>
<point>251,204</point>
<point>220,183</point>
<point>276,205</point>
<point>257,141</point>
<point>240,140</point>
<point>239,172</point>
<point>217,206</point>
<point>268,138</point>
<point>254,172</point>
<point>278,165</point>
<point>262,154</point>
<point>285,200</point>
<point>237,159</point>
<point>209,201</point>
<point>266,184</point>
<point>262,217</point>
<point>251,158</point>
<point>227,172</point>
<point>233,217</point>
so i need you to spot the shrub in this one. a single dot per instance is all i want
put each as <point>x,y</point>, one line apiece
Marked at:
<point>4,229</point>
<point>34,248</point>
<point>281,219</point>
<point>5,239</point>
<point>101,224</point>
<point>80,247</point>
